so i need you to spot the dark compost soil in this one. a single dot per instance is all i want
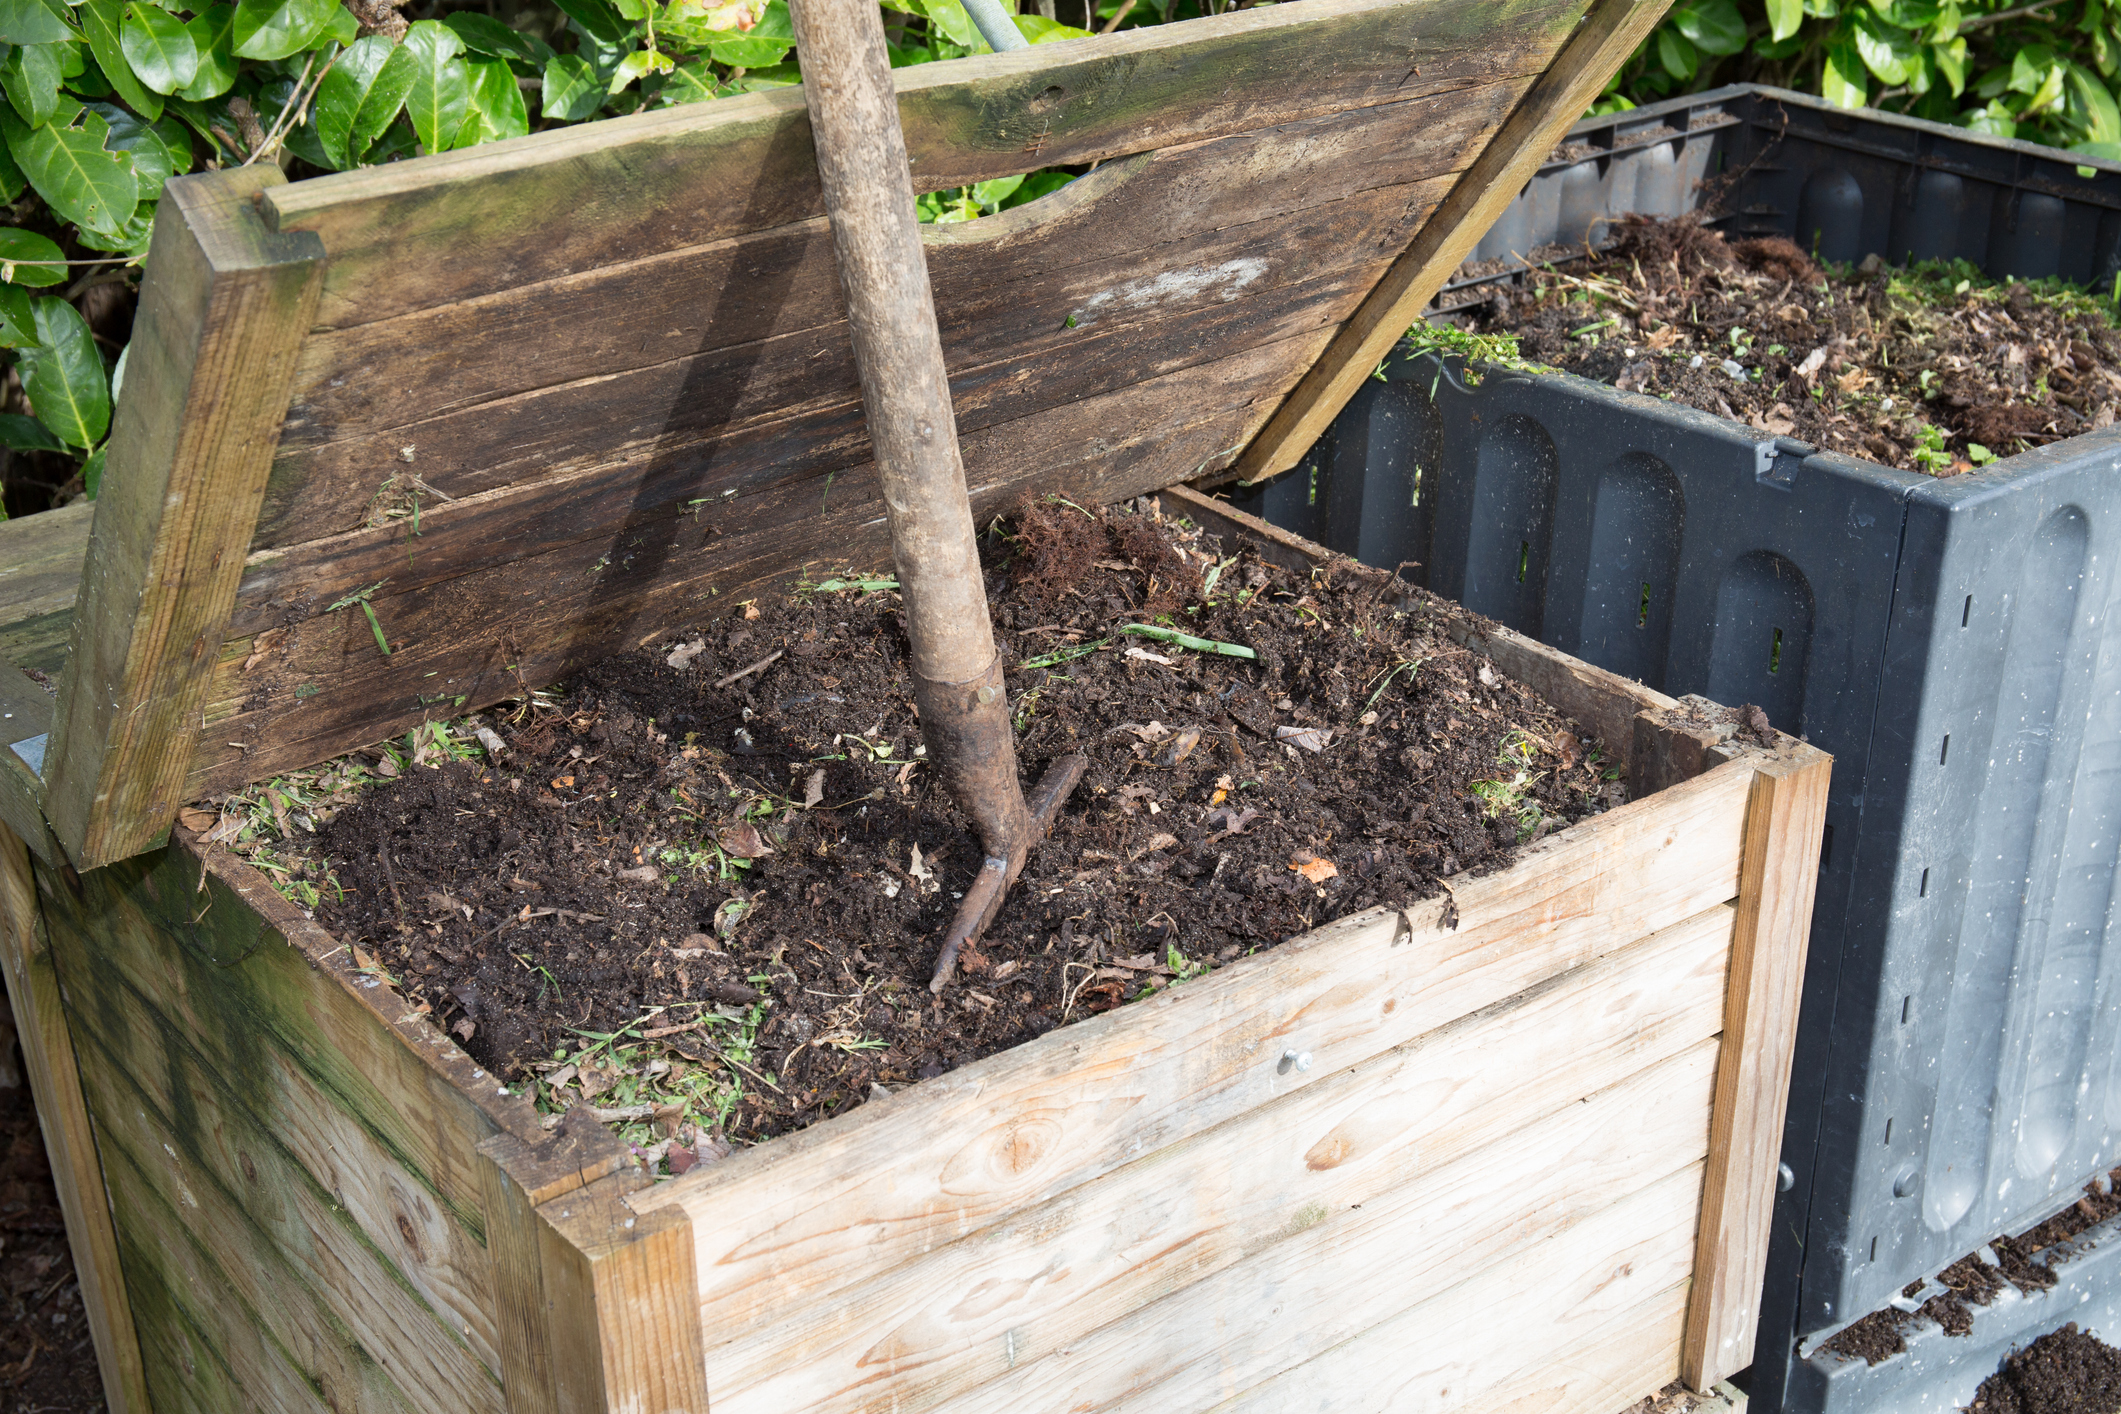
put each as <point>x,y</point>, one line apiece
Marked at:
<point>1931,369</point>
<point>2069,1371</point>
<point>1972,1281</point>
<point>47,1359</point>
<point>754,868</point>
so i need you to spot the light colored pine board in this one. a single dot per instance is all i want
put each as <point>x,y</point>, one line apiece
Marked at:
<point>599,1304</point>
<point>1451,1283</point>
<point>1606,1370</point>
<point>1785,818</point>
<point>69,1138</point>
<point>222,309</point>
<point>324,691</point>
<point>1145,258</point>
<point>456,225</point>
<point>352,1270</point>
<point>1609,34</point>
<point>838,1203</point>
<point>953,1317</point>
<point>1606,703</point>
<point>40,573</point>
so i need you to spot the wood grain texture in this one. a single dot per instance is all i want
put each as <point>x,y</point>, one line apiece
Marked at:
<point>1785,817</point>
<point>954,1317</point>
<point>459,225</point>
<point>682,363</point>
<point>222,310</point>
<point>1424,1298</point>
<point>599,1305</point>
<point>1610,31</point>
<point>69,1137</point>
<point>1607,1369</point>
<point>321,689</point>
<point>25,719</point>
<point>321,1135</point>
<point>838,1203</point>
<point>40,573</point>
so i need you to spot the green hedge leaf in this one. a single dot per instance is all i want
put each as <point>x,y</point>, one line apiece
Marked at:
<point>1842,81</point>
<point>217,61</point>
<point>33,22</point>
<point>1714,26</point>
<point>1950,61</point>
<point>161,50</point>
<point>571,90</point>
<point>639,64</point>
<point>1677,53</point>
<point>12,182</point>
<point>351,83</point>
<point>598,18</point>
<point>496,109</point>
<point>63,375</point>
<point>765,43</point>
<point>101,23</point>
<point>17,245</point>
<point>26,434</point>
<point>159,150</point>
<point>440,94</point>
<point>30,75</point>
<point>482,34</point>
<point>274,29</point>
<point>1040,30</point>
<point>688,83</point>
<point>2102,117</point>
<point>92,471</point>
<point>130,238</point>
<point>1784,17</point>
<point>1883,49</point>
<point>68,164</point>
<point>18,319</point>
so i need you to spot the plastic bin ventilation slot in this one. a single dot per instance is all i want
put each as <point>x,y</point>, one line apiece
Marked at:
<point>1956,644</point>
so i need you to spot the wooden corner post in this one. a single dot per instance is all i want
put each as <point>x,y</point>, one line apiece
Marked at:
<point>223,309</point>
<point>69,1141</point>
<point>1777,875</point>
<point>597,1305</point>
<point>1602,43</point>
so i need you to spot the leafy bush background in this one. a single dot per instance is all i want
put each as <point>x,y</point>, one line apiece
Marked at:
<point>105,100</point>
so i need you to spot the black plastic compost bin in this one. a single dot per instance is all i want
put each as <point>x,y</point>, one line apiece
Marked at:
<point>1955,643</point>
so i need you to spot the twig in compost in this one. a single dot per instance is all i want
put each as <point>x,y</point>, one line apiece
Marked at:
<point>741,673</point>
<point>1187,640</point>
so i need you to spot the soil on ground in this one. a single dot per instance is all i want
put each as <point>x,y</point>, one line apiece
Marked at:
<point>2069,1371</point>
<point>47,1358</point>
<point>1934,368</point>
<point>1974,1280</point>
<point>732,845</point>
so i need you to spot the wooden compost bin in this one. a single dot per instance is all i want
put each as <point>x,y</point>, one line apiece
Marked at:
<point>543,401</point>
<point>1528,1162</point>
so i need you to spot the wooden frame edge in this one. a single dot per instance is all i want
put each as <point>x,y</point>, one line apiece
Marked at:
<point>69,1136</point>
<point>1778,875</point>
<point>223,312</point>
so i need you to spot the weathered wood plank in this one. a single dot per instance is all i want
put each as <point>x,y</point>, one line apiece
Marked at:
<point>1610,31</point>
<point>1785,817</point>
<point>25,728</point>
<point>223,307</point>
<point>600,1308</point>
<point>682,352</point>
<point>1154,1073</point>
<point>353,1267</point>
<point>1605,1370</point>
<point>454,226</point>
<point>40,573</point>
<point>69,1138</point>
<point>191,1265</point>
<point>1058,1270</point>
<point>1425,1298</point>
<point>320,690</point>
<point>1604,702</point>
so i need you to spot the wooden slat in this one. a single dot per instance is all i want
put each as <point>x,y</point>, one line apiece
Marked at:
<point>1610,32</point>
<point>832,1206</point>
<point>1785,817</point>
<point>1605,702</point>
<point>411,235</point>
<point>600,1306</point>
<point>69,1139</point>
<point>1451,1284</point>
<point>321,690</point>
<point>25,730</point>
<point>40,573</point>
<point>223,307</point>
<point>1606,1370</point>
<point>1057,1270</point>
<point>1157,267</point>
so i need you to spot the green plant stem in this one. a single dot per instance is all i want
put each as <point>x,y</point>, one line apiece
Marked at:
<point>1187,640</point>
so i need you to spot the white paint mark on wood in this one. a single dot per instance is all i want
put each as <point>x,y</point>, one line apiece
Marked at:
<point>1173,287</point>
